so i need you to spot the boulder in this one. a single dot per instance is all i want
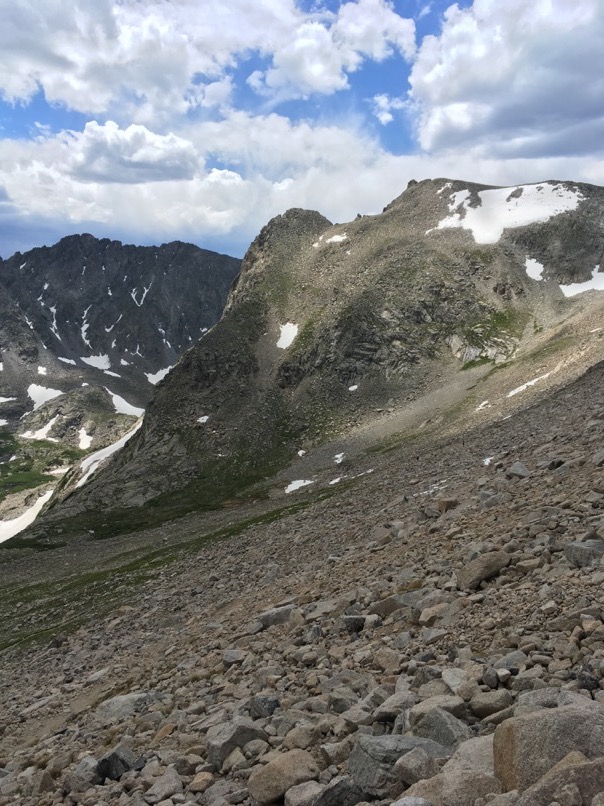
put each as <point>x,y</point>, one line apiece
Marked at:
<point>270,783</point>
<point>585,779</point>
<point>373,758</point>
<point>526,747</point>
<point>168,784</point>
<point>442,727</point>
<point>340,791</point>
<point>481,568</point>
<point>223,739</point>
<point>124,705</point>
<point>585,553</point>
<point>456,787</point>
<point>114,764</point>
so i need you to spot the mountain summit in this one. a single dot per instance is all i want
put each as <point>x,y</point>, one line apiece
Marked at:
<point>328,324</point>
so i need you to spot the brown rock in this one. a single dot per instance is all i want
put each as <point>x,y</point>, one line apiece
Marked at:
<point>269,783</point>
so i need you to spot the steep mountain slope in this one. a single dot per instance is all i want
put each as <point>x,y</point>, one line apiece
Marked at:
<point>100,312</point>
<point>329,323</point>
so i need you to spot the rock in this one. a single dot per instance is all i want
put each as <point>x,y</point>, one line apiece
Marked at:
<point>584,554</point>
<point>114,764</point>
<point>481,568</point>
<point>518,471</point>
<point>416,765</point>
<point>393,706</point>
<point>442,727</point>
<point>88,771</point>
<point>527,746</point>
<point>303,794</point>
<point>473,754</point>
<point>263,705</point>
<point>585,779</point>
<point>269,783</point>
<point>201,782</point>
<point>598,458</point>
<point>168,784</point>
<point>277,615</point>
<point>411,801</point>
<point>233,656</point>
<point>124,705</point>
<point>373,758</point>
<point>223,739</point>
<point>341,791</point>
<point>486,703</point>
<point>455,788</point>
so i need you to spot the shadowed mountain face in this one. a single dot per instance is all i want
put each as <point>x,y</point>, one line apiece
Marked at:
<point>103,313</point>
<point>328,323</point>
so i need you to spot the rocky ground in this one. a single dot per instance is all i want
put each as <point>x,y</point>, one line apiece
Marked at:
<point>431,634</point>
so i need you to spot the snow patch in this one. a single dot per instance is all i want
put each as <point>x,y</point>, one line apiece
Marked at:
<point>112,374</point>
<point>42,433</point>
<point>487,460</point>
<point>11,528</point>
<point>353,388</point>
<point>3,422</point>
<point>92,463</point>
<point>528,384</point>
<point>301,453</point>
<point>42,394</point>
<point>337,238</point>
<point>203,419</point>
<point>502,208</point>
<point>336,481</point>
<point>124,363</point>
<point>595,284</point>
<point>85,439</point>
<point>338,458</point>
<point>289,331</point>
<point>66,360</point>
<point>7,399</point>
<point>123,407</point>
<point>156,377</point>
<point>98,361</point>
<point>85,326</point>
<point>42,371</point>
<point>534,269</point>
<point>296,485</point>
<point>484,405</point>
<point>145,292</point>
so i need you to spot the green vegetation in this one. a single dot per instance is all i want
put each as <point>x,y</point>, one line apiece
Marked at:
<point>477,362</point>
<point>32,460</point>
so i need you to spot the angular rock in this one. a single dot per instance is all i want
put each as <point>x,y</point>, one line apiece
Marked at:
<point>527,746</point>
<point>263,705</point>
<point>223,739</point>
<point>115,763</point>
<point>373,758</point>
<point>582,555</point>
<point>340,791</point>
<point>518,471</point>
<point>586,778</point>
<point>168,784</point>
<point>481,568</point>
<point>486,703</point>
<point>455,788</point>
<point>443,728</point>
<point>276,615</point>
<point>269,783</point>
<point>124,705</point>
<point>303,794</point>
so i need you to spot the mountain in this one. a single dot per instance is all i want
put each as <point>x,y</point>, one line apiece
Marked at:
<point>87,328</point>
<point>331,327</point>
<point>105,313</point>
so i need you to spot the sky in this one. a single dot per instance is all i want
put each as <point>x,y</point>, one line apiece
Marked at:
<point>199,120</point>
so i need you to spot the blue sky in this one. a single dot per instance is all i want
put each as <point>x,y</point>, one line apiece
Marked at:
<point>155,120</point>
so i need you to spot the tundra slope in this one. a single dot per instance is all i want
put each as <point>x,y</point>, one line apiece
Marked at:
<point>328,323</point>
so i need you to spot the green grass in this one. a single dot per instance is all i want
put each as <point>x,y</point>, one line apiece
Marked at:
<point>477,362</point>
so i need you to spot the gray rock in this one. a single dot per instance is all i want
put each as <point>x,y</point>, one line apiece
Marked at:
<point>168,784</point>
<point>373,757</point>
<point>277,615</point>
<point>580,782</point>
<point>518,470</point>
<point>582,555</point>
<point>263,705</point>
<point>223,739</point>
<point>481,568</point>
<point>486,703</point>
<point>114,764</point>
<point>412,801</point>
<point>443,728</point>
<point>303,794</point>
<point>598,458</point>
<point>527,746</point>
<point>456,788</point>
<point>124,705</point>
<point>340,791</point>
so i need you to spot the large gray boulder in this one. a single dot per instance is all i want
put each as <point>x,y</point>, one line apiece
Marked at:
<point>124,705</point>
<point>585,553</point>
<point>223,739</point>
<point>443,728</point>
<point>584,779</point>
<point>371,763</point>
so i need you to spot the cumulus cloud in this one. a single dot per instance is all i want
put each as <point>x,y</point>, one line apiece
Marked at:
<point>109,154</point>
<point>383,105</point>
<point>318,55</point>
<point>517,78</point>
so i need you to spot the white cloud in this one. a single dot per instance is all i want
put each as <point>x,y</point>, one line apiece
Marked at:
<point>517,78</point>
<point>382,106</point>
<point>135,154</point>
<point>319,54</point>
